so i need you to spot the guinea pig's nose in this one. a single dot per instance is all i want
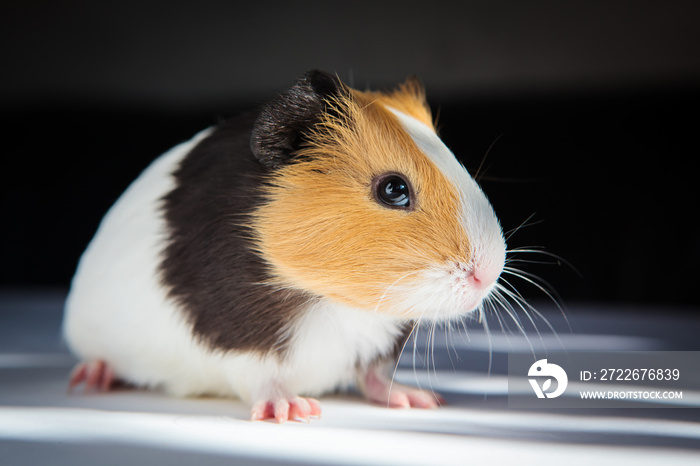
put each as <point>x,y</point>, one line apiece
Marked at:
<point>484,274</point>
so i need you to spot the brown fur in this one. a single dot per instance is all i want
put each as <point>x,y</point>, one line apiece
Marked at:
<point>321,228</point>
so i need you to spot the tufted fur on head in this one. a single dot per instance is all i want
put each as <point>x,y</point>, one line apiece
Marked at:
<point>320,226</point>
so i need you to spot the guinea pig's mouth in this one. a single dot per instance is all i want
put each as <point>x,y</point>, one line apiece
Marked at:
<point>445,293</point>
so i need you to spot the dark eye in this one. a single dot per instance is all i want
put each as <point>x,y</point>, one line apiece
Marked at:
<point>394,191</point>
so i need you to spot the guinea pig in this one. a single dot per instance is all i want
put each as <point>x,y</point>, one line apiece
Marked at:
<point>286,253</point>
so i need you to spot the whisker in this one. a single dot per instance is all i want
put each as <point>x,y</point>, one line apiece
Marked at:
<point>524,224</point>
<point>485,324</point>
<point>536,250</point>
<point>512,311</point>
<point>386,292</point>
<point>513,260</point>
<point>465,334</point>
<point>542,285</point>
<point>522,307</point>
<point>449,341</point>
<point>505,305</point>
<point>415,352</point>
<point>432,356</point>
<point>476,175</point>
<point>522,302</point>
<point>514,293</point>
<point>414,332</point>
<point>503,327</point>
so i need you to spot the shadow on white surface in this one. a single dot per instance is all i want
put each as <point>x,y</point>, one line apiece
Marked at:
<point>40,422</point>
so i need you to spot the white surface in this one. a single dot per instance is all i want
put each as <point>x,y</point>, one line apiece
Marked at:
<point>41,422</point>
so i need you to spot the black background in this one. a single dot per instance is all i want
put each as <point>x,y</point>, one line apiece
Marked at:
<point>590,112</point>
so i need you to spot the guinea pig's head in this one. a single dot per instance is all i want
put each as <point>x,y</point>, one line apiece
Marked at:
<point>364,204</point>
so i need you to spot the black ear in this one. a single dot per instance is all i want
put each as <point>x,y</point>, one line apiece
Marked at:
<point>282,122</point>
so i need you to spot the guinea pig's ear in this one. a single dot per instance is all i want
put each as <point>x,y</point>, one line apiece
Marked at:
<point>278,131</point>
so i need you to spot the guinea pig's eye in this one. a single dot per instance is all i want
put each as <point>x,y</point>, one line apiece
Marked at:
<point>393,191</point>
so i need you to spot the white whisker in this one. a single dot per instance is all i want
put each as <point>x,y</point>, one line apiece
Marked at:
<point>520,305</point>
<point>414,332</point>
<point>386,292</point>
<point>432,356</point>
<point>515,296</point>
<point>537,250</point>
<point>510,310</point>
<point>527,308</point>
<point>485,324</point>
<point>478,170</point>
<point>542,285</point>
<point>521,226</point>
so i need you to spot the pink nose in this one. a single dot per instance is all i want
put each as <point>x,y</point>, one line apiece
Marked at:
<point>483,276</point>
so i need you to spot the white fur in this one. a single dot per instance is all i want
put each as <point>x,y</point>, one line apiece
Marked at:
<point>478,218</point>
<point>442,294</point>
<point>438,294</point>
<point>331,342</point>
<point>119,311</point>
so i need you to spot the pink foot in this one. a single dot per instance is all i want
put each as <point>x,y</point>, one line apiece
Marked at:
<point>97,375</point>
<point>283,409</point>
<point>381,390</point>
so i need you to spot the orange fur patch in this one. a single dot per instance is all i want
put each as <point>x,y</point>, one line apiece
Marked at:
<point>409,98</point>
<point>321,227</point>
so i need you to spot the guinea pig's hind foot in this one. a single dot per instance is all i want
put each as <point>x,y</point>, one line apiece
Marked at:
<point>380,390</point>
<point>97,375</point>
<point>282,409</point>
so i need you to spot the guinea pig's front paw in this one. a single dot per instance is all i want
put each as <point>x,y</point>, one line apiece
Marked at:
<point>379,389</point>
<point>282,409</point>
